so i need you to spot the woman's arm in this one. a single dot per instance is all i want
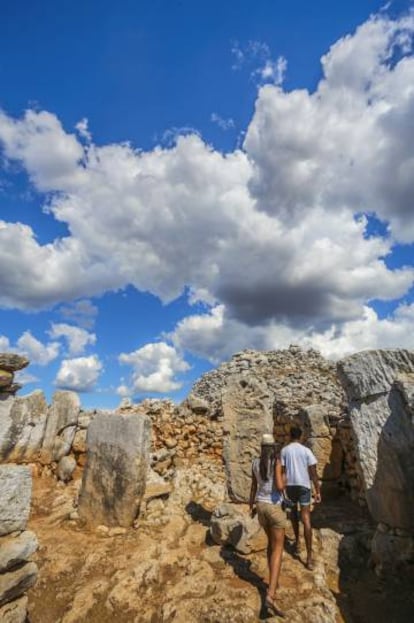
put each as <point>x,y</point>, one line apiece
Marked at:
<point>279,478</point>
<point>253,490</point>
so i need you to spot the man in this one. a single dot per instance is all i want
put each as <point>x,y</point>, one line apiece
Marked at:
<point>299,465</point>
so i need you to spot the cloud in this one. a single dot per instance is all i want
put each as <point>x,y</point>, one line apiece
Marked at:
<point>223,124</point>
<point>4,343</point>
<point>257,56</point>
<point>155,367</point>
<point>79,374</point>
<point>216,337</point>
<point>77,338</point>
<point>272,71</point>
<point>82,313</point>
<point>24,378</point>
<point>275,232</point>
<point>37,353</point>
<point>50,155</point>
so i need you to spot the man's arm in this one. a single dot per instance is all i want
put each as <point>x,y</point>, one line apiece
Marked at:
<point>314,477</point>
<point>253,490</point>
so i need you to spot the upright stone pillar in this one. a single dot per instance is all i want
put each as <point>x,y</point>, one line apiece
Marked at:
<point>116,466</point>
<point>247,411</point>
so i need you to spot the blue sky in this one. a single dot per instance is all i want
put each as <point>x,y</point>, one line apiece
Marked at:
<point>180,180</point>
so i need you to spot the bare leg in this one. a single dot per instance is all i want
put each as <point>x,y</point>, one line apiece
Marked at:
<point>307,529</point>
<point>277,539</point>
<point>295,525</point>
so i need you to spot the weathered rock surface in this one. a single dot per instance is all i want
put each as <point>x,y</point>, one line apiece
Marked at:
<point>15,550</point>
<point>232,525</point>
<point>15,582</point>
<point>384,431</point>
<point>380,388</point>
<point>114,476</point>
<point>15,496</point>
<point>22,427</point>
<point>13,362</point>
<point>60,426</point>
<point>15,611</point>
<point>369,373</point>
<point>247,414</point>
<point>65,468</point>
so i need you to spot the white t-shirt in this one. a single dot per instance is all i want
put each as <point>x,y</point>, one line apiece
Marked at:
<point>296,458</point>
<point>266,491</point>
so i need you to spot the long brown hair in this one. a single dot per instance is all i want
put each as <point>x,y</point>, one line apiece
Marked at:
<point>267,461</point>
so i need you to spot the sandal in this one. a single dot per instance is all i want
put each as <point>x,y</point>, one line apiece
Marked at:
<point>271,606</point>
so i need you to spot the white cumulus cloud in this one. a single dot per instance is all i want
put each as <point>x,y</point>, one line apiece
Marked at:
<point>155,367</point>
<point>275,232</point>
<point>79,374</point>
<point>77,338</point>
<point>36,351</point>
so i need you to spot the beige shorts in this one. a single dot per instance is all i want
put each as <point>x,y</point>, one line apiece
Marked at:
<point>271,515</point>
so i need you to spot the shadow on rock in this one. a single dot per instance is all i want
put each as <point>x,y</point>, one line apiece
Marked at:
<point>242,568</point>
<point>198,513</point>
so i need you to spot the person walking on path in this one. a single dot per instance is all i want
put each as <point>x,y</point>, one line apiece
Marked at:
<point>299,466</point>
<point>267,494</point>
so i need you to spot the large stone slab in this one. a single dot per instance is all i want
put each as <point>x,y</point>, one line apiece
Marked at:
<point>15,497</point>
<point>60,426</point>
<point>22,427</point>
<point>373,372</point>
<point>247,412</point>
<point>14,583</point>
<point>115,473</point>
<point>379,384</point>
<point>16,550</point>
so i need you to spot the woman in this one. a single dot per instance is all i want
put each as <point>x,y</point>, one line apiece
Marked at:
<point>267,494</point>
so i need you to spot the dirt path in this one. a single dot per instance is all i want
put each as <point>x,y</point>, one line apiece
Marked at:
<point>168,571</point>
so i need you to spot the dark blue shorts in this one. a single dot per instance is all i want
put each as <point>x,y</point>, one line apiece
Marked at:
<point>299,495</point>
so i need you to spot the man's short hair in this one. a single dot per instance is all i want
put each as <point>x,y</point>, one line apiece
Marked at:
<point>295,432</point>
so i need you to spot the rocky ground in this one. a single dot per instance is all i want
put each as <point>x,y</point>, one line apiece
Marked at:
<point>167,569</point>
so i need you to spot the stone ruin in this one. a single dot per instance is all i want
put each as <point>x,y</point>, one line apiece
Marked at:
<point>357,416</point>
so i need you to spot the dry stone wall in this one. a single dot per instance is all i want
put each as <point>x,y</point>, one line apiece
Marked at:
<point>17,572</point>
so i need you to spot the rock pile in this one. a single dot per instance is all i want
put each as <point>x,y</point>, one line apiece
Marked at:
<point>17,545</point>
<point>9,364</point>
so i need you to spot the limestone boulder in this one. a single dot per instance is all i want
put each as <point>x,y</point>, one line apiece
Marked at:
<point>230,525</point>
<point>389,551</point>
<point>17,581</point>
<point>60,426</point>
<point>115,473</point>
<point>369,373</point>
<point>22,427</point>
<point>15,497</point>
<point>6,378</point>
<point>314,420</point>
<point>247,414</point>
<point>65,468</point>
<point>15,611</point>
<point>379,386</point>
<point>15,550</point>
<point>12,362</point>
